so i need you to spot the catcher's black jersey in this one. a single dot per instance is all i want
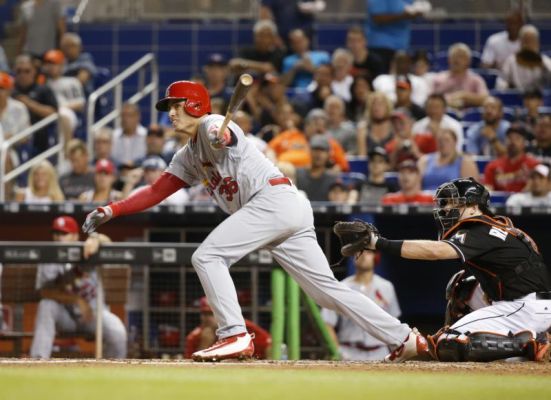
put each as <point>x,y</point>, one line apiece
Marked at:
<point>504,259</point>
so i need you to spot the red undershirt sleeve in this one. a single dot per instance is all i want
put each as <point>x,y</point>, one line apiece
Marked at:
<point>149,196</point>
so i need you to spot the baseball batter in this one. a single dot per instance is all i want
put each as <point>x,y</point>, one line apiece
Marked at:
<point>355,343</point>
<point>266,212</point>
<point>69,299</point>
<point>503,259</point>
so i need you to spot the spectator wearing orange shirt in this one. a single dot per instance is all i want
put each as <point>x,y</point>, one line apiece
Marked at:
<point>291,144</point>
<point>410,192</point>
<point>510,172</point>
<point>204,335</point>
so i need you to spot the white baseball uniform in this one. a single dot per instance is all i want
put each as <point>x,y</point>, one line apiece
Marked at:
<point>355,343</point>
<point>52,316</point>
<point>266,212</point>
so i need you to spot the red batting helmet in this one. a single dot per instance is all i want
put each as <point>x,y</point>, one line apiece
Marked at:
<point>196,96</point>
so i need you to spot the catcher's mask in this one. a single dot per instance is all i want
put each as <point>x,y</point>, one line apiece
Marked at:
<point>451,199</point>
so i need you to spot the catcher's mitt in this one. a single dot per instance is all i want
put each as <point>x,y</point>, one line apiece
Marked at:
<point>355,236</point>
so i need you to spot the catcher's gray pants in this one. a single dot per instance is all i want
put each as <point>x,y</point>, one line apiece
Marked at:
<point>52,317</point>
<point>280,219</point>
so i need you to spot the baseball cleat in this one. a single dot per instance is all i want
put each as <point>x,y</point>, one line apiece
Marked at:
<point>239,346</point>
<point>414,345</point>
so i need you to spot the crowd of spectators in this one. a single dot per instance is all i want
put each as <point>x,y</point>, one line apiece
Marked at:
<point>310,111</point>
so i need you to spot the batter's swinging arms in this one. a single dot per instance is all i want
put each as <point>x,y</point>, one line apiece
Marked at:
<point>266,212</point>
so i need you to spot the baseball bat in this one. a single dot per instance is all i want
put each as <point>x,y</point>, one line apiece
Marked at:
<point>242,87</point>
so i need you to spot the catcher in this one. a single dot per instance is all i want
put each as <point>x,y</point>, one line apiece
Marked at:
<point>503,260</point>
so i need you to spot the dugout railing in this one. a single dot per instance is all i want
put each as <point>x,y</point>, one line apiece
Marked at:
<point>285,295</point>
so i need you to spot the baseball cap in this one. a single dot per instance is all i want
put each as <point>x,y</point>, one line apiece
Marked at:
<point>217,59</point>
<point>408,164</point>
<point>204,305</point>
<point>54,56</point>
<point>6,81</point>
<point>154,163</point>
<point>541,169</point>
<point>319,142</point>
<point>378,151</point>
<point>104,165</point>
<point>65,224</point>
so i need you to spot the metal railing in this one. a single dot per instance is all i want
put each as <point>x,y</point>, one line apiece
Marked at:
<point>116,84</point>
<point>81,8</point>
<point>57,149</point>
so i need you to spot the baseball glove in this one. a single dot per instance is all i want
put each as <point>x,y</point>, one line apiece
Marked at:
<point>355,236</point>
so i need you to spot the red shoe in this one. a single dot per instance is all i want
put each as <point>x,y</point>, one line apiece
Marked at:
<point>239,346</point>
<point>414,345</point>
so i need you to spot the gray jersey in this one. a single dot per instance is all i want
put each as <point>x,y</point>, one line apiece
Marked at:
<point>85,285</point>
<point>232,175</point>
<point>382,292</point>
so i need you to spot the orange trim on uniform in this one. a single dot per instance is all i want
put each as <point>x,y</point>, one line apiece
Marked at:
<point>507,225</point>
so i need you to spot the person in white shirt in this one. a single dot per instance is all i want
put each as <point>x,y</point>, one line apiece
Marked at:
<point>342,61</point>
<point>528,69</point>
<point>129,139</point>
<point>14,118</point>
<point>540,190</point>
<point>501,45</point>
<point>437,119</point>
<point>401,66</point>
<point>68,91</point>
<point>354,343</point>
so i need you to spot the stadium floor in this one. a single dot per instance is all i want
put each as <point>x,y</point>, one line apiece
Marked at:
<point>162,380</point>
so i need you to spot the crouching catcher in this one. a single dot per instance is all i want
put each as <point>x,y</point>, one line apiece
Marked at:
<point>500,306</point>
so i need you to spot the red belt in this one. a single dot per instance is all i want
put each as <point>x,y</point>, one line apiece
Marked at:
<point>280,181</point>
<point>360,346</point>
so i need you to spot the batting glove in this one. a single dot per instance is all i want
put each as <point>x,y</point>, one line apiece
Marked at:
<point>97,217</point>
<point>218,142</point>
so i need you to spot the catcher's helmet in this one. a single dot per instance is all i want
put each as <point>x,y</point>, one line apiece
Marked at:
<point>195,95</point>
<point>452,197</point>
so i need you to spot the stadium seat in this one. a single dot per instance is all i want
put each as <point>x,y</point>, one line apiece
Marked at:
<point>392,178</point>
<point>489,76</point>
<point>547,98</point>
<point>499,198</point>
<point>481,162</point>
<point>358,164</point>
<point>473,114</point>
<point>509,97</point>
<point>352,179</point>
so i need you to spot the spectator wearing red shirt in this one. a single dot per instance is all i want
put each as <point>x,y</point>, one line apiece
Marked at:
<point>410,192</point>
<point>204,335</point>
<point>510,172</point>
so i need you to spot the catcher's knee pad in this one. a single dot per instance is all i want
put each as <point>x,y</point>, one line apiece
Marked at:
<point>451,345</point>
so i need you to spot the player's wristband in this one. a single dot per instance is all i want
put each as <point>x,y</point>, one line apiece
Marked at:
<point>393,247</point>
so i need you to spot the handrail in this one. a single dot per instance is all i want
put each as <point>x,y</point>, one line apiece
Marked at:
<point>116,84</point>
<point>79,11</point>
<point>9,143</point>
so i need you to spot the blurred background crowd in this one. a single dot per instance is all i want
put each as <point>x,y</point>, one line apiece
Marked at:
<point>412,119</point>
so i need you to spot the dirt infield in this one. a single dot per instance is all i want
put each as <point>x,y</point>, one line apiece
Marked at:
<point>497,368</point>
